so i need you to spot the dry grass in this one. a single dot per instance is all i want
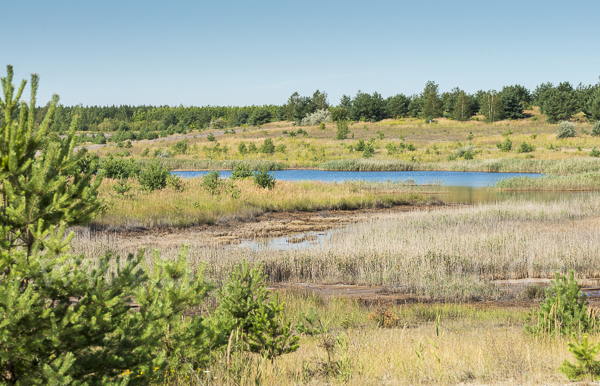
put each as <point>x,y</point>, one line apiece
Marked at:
<point>448,253</point>
<point>473,345</point>
<point>195,205</point>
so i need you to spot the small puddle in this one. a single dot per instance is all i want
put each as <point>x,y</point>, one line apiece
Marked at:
<point>292,242</point>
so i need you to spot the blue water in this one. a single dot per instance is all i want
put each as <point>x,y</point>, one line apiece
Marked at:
<point>466,179</point>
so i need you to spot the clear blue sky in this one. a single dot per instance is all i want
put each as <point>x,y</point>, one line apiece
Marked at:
<point>260,52</point>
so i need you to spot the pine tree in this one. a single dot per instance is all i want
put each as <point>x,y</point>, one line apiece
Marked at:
<point>66,321</point>
<point>564,311</point>
<point>586,365</point>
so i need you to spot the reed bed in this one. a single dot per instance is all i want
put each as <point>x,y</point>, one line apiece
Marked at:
<point>195,205</point>
<point>514,165</point>
<point>448,253</point>
<point>582,182</point>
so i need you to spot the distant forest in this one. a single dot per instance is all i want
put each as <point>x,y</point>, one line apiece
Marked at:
<point>557,102</point>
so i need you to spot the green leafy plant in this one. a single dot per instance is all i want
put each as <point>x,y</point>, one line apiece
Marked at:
<point>175,182</point>
<point>596,129</point>
<point>342,130</point>
<point>470,136</point>
<point>211,137</point>
<point>505,146</point>
<point>120,168</point>
<point>595,152</point>
<point>154,176</point>
<point>241,172</point>
<point>242,149</point>
<point>566,129</point>
<point>181,147</point>
<point>122,188</point>
<point>66,320</point>
<point>267,147</point>
<point>564,310</point>
<point>246,308</point>
<point>525,148</point>
<point>212,182</point>
<point>586,366</point>
<point>264,179</point>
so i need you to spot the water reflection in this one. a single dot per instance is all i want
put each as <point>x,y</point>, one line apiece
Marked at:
<point>470,195</point>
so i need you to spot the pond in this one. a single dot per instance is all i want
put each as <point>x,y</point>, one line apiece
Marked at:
<point>466,179</point>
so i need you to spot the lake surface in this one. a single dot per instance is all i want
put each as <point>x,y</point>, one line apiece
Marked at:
<point>464,179</point>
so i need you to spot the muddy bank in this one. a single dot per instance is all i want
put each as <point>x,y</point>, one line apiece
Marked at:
<point>265,226</point>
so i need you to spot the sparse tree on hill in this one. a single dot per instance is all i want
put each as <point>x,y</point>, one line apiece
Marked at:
<point>462,107</point>
<point>491,106</point>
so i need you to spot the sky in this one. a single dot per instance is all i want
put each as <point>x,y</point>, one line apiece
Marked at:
<point>260,52</point>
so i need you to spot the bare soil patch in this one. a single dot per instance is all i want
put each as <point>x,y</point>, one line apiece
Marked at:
<point>267,225</point>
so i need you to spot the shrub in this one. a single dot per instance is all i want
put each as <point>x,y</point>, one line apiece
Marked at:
<point>175,182</point>
<point>595,152</point>
<point>252,148</point>
<point>241,172</point>
<point>470,136</point>
<point>280,148</point>
<point>120,168</point>
<point>586,366</point>
<point>466,152</point>
<point>534,292</point>
<point>360,145</point>
<point>342,130</point>
<point>217,124</point>
<point>242,149</point>
<point>322,126</point>
<point>505,146</point>
<point>596,129</point>
<point>564,311</point>
<point>154,176</point>
<point>384,316</point>
<point>338,114</point>
<point>211,137</point>
<point>244,308</point>
<point>181,147</point>
<point>566,129</point>
<point>525,148</point>
<point>267,147</point>
<point>145,153</point>
<point>411,147</point>
<point>368,151</point>
<point>211,182</point>
<point>264,179</point>
<point>319,116</point>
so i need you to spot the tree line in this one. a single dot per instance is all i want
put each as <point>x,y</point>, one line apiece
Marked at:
<point>558,102</point>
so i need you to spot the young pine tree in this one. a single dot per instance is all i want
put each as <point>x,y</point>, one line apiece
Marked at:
<point>66,321</point>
